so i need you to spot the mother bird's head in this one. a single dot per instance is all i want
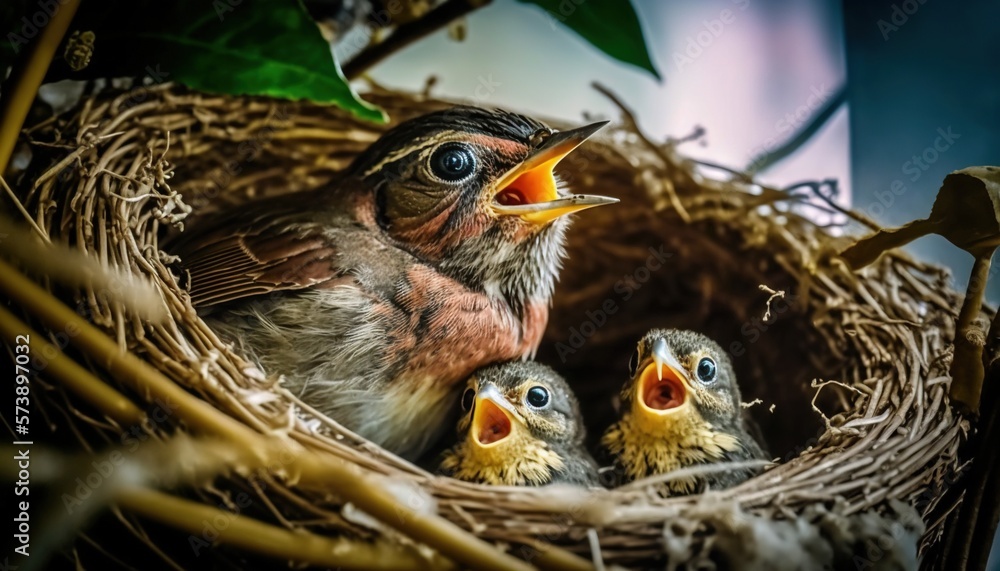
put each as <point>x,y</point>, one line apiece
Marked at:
<point>473,192</point>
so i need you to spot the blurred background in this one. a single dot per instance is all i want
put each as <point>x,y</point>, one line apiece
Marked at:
<point>882,91</point>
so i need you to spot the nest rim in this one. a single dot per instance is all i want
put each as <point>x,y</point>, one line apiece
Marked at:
<point>116,159</point>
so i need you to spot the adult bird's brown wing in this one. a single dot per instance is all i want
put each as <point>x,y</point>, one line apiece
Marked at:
<point>237,260</point>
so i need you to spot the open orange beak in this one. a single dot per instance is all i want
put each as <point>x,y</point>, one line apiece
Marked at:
<point>530,191</point>
<point>493,418</point>
<point>663,385</point>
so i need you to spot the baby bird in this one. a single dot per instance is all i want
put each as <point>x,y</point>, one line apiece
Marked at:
<point>680,407</point>
<point>521,426</point>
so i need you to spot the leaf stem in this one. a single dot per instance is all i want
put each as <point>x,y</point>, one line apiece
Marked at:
<point>27,76</point>
<point>868,249</point>
<point>410,32</point>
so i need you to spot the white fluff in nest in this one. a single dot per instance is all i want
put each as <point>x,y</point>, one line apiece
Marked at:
<point>721,533</point>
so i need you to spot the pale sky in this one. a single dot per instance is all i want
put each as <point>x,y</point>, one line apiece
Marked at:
<point>739,78</point>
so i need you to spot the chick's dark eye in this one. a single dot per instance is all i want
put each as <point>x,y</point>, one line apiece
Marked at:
<point>453,162</point>
<point>538,397</point>
<point>633,363</point>
<point>467,399</point>
<point>706,370</point>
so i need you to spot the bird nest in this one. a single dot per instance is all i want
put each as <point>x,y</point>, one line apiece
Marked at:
<point>845,372</point>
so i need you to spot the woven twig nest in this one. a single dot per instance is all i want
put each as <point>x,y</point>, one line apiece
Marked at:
<point>849,371</point>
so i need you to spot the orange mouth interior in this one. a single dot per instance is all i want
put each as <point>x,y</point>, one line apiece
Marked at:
<point>493,425</point>
<point>664,394</point>
<point>531,187</point>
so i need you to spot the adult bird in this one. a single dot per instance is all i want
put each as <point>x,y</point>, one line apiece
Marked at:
<point>433,254</point>
<point>681,408</point>
<point>521,426</point>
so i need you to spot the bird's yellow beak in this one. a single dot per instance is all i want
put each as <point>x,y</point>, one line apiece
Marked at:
<point>493,418</point>
<point>530,191</point>
<point>663,386</point>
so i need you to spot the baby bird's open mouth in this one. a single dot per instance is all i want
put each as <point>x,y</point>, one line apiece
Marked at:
<point>662,394</point>
<point>663,385</point>
<point>491,422</point>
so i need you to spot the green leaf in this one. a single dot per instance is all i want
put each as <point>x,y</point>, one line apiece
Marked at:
<point>238,47</point>
<point>611,26</point>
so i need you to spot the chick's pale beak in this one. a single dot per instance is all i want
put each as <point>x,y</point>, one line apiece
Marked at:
<point>530,190</point>
<point>493,418</point>
<point>663,385</point>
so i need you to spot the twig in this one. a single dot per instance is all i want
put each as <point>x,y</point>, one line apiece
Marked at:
<point>693,471</point>
<point>818,385</point>
<point>22,86</point>
<point>738,174</point>
<point>774,295</point>
<point>852,214</point>
<point>552,558</point>
<point>408,33</point>
<point>76,269</point>
<point>595,549</point>
<point>247,533</point>
<point>633,124</point>
<point>24,212</point>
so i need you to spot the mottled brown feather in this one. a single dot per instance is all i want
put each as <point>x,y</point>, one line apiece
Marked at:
<point>228,265</point>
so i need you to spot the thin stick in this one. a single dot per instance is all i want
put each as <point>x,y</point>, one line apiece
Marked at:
<point>22,86</point>
<point>554,559</point>
<point>247,533</point>
<point>23,211</point>
<point>633,124</point>
<point>852,214</point>
<point>76,269</point>
<point>774,295</point>
<point>408,33</point>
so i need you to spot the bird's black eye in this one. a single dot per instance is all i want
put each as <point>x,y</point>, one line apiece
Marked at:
<point>633,362</point>
<point>537,397</point>
<point>453,162</point>
<point>706,370</point>
<point>467,398</point>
